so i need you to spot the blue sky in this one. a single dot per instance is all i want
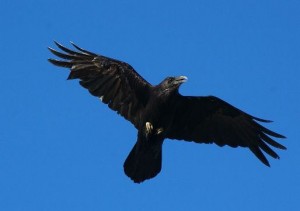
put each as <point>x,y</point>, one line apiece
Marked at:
<point>61,149</point>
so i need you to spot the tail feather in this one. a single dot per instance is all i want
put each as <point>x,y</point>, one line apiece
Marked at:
<point>143,162</point>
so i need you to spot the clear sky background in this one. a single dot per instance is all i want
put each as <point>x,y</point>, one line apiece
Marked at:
<point>62,149</point>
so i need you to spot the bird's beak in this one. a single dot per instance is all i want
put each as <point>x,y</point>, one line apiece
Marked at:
<point>181,79</point>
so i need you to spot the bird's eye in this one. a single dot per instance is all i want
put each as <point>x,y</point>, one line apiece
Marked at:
<point>170,80</point>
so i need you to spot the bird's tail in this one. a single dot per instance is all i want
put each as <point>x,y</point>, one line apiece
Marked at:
<point>144,161</point>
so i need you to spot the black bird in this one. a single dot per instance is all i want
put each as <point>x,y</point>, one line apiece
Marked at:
<point>160,112</point>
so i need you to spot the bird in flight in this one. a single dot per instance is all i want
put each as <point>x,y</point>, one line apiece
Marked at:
<point>160,112</point>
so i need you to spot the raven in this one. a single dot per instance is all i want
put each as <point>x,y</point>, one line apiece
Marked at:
<point>160,112</point>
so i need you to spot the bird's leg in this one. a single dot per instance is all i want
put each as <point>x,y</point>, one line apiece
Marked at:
<point>149,128</point>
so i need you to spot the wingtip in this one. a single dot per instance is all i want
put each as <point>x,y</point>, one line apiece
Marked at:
<point>54,61</point>
<point>51,49</point>
<point>277,135</point>
<point>265,161</point>
<point>83,50</point>
<point>283,148</point>
<point>262,120</point>
<point>60,46</point>
<point>76,46</point>
<point>282,136</point>
<point>51,60</point>
<point>56,43</point>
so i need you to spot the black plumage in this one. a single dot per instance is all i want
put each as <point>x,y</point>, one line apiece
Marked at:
<point>160,112</point>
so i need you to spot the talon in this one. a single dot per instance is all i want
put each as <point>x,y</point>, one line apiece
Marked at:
<point>159,131</point>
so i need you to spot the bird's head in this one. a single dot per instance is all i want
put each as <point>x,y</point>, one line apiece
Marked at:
<point>171,84</point>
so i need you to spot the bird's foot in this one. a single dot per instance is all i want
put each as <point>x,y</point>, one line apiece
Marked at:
<point>159,130</point>
<point>149,128</point>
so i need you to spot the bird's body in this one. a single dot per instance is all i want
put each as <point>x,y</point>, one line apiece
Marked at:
<point>160,112</point>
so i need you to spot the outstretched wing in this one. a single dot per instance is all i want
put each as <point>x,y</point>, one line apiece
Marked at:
<point>115,82</point>
<point>212,120</point>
